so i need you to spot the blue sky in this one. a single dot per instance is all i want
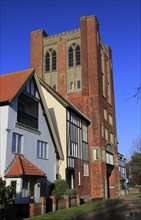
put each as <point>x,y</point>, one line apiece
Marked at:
<point>119,27</point>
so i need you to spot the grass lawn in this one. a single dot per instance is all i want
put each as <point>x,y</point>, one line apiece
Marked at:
<point>66,214</point>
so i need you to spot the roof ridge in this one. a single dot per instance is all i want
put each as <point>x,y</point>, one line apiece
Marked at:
<point>30,164</point>
<point>19,164</point>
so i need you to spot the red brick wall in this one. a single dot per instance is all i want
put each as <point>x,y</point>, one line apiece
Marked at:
<point>36,51</point>
<point>35,209</point>
<point>84,187</point>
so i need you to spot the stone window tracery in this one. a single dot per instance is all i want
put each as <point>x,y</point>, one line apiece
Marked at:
<point>74,55</point>
<point>50,60</point>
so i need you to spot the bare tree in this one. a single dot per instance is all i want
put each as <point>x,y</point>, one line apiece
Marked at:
<point>138,93</point>
<point>135,162</point>
<point>136,146</point>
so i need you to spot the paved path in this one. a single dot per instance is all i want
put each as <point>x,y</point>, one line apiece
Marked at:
<point>129,209</point>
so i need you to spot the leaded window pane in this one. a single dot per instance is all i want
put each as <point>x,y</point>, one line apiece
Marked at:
<point>47,62</point>
<point>77,55</point>
<point>70,57</point>
<point>53,60</point>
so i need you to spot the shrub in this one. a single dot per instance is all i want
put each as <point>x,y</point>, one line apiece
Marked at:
<point>6,195</point>
<point>59,188</point>
<point>71,193</point>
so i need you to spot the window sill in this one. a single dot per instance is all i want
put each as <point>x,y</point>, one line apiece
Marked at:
<point>73,91</point>
<point>27,128</point>
<point>40,158</point>
<point>51,71</point>
<point>74,66</point>
<point>97,160</point>
<point>17,153</point>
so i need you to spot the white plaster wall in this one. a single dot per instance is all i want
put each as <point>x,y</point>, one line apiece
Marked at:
<point>30,143</point>
<point>3,136</point>
<point>60,119</point>
<point>19,184</point>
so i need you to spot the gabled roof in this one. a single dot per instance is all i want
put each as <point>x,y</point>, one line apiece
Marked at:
<point>64,101</point>
<point>22,167</point>
<point>11,84</point>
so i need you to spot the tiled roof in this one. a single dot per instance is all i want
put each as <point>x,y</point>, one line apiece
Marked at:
<point>22,167</point>
<point>11,83</point>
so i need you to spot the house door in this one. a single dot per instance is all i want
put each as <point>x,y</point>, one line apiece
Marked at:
<point>108,189</point>
<point>32,188</point>
<point>70,178</point>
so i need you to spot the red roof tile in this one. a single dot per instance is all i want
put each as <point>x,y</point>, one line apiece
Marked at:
<point>11,83</point>
<point>21,166</point>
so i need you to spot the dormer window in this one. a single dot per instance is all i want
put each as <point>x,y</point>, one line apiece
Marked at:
<point>27,111</point>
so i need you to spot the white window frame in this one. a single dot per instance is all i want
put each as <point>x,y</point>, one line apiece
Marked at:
<point>95,154</point>
<point>105,114</point>
<point>110,119</point>
<point>86,169</point>
<point>17,147</point>
<point>79,178</point>
<point>109,158</point>
<point>84,132</point>
<point>42,150</point>
<point>102,130</point>
<point>73,149</point>
<point>111,138</point>
<point>106,134</point>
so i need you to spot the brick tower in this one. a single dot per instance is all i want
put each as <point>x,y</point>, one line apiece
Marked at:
<point>79,66</point>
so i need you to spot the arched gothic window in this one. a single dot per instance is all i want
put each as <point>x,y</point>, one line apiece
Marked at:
<point>50,60</point>
<point>77,55</point>
<point>54,60</point>
<point>47,62</point>
<point>74,55</point>
<point>70,57</point>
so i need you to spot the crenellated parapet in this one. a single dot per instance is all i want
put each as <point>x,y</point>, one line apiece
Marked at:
<point>62,37</point>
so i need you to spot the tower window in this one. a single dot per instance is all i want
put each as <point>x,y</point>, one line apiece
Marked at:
<point>70,57</point>
<point>77,55</point>
<point>71,86</point>
<point>50,61</point>
<point>53,60</point>
<point>74,55</point>
<point>74,68</point>
<point>78,84</point>
<point>47,62</point>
